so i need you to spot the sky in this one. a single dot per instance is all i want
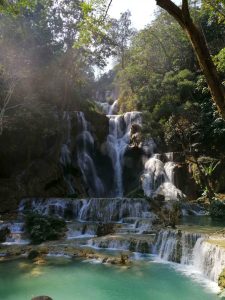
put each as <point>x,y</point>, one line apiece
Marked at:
<point>142,11</point>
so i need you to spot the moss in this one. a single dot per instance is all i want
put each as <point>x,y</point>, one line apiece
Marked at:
<point>217,209</point>
<point>221,279</point>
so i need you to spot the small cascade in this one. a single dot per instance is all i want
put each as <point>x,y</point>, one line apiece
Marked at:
<point>133,244</point>
<point>113,109</point>
<point>158,178</point>
<point>209,258</point>
<point>16,234</point>
<point>193,209</point>
<point>108,109</point>
<point>193,249</point>
<point>169,170</point>
<point>176,246</point>
<point>85,149</point>
<point>65,156</point>
<point>93,210</point>
<point>105,106</point>
<point>80,230</point>
<point>117,143</point>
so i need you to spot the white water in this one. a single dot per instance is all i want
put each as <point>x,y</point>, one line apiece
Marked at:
<point>84,157</point>
<point>94,210</point>
<point>65,157</point>
<point>209,259</point>
<point>193,252</point>
<point>117,143</point>
<point>16,235</point>
<point>158,179</point>
<point>85,149</point>
<point>108,109</point>
<point>130,244</point>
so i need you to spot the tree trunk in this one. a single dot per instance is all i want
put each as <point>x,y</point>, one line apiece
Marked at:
<point>199,44</point>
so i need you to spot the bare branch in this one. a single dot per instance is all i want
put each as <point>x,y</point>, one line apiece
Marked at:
<point>107,10</point>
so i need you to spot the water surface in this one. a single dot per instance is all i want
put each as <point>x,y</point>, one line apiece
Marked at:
<point>63,279</point>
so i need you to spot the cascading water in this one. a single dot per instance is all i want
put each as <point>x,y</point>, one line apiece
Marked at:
<point>192,249</point>
<point>65,157</point>
<point>85,148</point>
<point>176,246</point>
<point>209,258</point>
<point>158,179</point>
<point>125,243</point>
<point>16,233</point>
<point>84,156</point>
<point>117,142</point>
<point>95,209</point>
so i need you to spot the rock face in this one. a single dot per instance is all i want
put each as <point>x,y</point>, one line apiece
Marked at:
<point>32,166</point>
<point>4,232</point>
<point>184,180</point>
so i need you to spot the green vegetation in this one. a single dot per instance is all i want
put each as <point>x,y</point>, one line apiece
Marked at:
<point>43,228</point>
<point>162,78</point>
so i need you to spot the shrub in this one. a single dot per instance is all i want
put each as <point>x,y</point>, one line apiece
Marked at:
<point>43,228</point>
<point>217,209</point>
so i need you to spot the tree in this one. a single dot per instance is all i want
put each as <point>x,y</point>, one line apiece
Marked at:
<point>199,44</point>
<point>15,7</point>
<point>216,8</point>
<point>5,98</point>
<point>121,32</point>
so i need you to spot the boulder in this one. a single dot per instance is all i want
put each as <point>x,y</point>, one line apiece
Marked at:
<point>42,298</point>
<point>4,233</point>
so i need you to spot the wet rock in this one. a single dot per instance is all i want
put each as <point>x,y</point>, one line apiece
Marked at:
<point>42,298</point>
<point>33,254</point>
<point>104,229</point>
<point>4,233</point>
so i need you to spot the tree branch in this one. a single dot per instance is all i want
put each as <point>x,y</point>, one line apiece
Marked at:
<point>185,10</point>
<point>107,10</point>
<point>172,9</point>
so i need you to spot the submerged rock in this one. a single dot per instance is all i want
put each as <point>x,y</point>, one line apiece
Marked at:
<point>42,298</point>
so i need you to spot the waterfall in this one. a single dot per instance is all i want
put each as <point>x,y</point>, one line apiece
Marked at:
<point>16,234</point>
<point>117,142</point>
<point>117,243</point>
<point>80,230</point>
<point>65,156</point>
<point>94,210</point>
<point>158,178</point>
<point>85,149</point>
<point>113,109</point>
<point>84,158</point>
<point>107,108</point>
<point>209,258</point>
<point>193,249</point>
<point>176,246</point>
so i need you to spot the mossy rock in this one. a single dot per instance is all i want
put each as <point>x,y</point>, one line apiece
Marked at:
<point>221,279</point>
<point>33,254</point>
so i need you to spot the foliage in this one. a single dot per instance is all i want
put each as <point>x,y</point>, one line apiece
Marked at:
<point>217,209</point>
<point>15,7</point>
<point>216,9</point>
<point>43,228</point>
